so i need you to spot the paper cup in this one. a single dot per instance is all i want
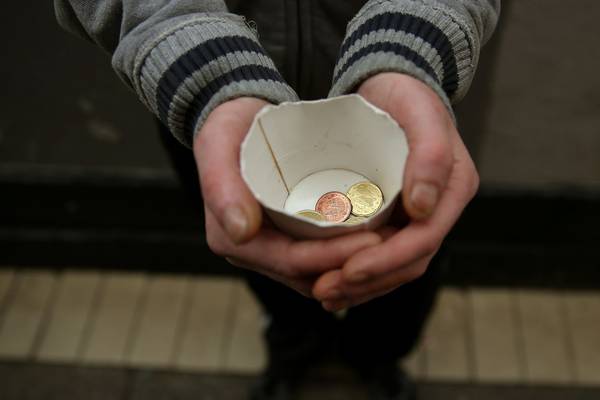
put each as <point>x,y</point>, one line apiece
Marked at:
<point>296,152</point>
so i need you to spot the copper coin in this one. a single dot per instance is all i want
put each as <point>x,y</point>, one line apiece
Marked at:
<point>334,206</point>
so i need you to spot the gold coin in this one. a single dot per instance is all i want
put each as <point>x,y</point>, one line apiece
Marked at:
<point>354,220</point>
<point>311,214</point>
<point>366,199</point>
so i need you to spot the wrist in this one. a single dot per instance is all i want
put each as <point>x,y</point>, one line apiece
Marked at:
<point>392,90</point>
<point>233,112</point>
<point>413,38</point>
<point>195,67</point>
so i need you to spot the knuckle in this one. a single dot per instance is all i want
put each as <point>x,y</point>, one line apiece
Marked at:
<point>304,289</point>
<point>291,269</point>
<point>476,181</point>
<point>439,154</point>
<point>431,246</point>
<point>297,260</point>
<point>283,267</point>
<point>235,262</point>
<point>417,272</point>
<point>210,183</point>
<point>216,245</point>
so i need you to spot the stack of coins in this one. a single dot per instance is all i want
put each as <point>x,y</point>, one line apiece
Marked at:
<point>361,201</point>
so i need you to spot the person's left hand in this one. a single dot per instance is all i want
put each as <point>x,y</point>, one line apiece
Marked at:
<point>439,181</point>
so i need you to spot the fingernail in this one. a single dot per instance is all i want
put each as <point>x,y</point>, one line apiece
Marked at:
<point>333,306</point>
<point>333,294</point>
<point>235,224</point>
<point>424,198</point>
<point>357,277</point>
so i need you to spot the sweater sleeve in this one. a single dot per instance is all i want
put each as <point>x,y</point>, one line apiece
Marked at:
<point>183,58</point>
<point>435,41</point>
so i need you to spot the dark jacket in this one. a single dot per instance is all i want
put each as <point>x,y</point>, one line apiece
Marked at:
<point>288,29</point>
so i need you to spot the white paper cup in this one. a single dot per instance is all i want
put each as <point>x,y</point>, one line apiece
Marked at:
<point>296,152</point>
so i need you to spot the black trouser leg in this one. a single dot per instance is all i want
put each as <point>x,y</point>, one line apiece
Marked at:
<point>371,335</point>
<point>386,329</point>
<point>299,329</point>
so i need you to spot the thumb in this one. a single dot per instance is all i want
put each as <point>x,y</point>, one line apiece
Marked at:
<point>217,149</point>
<point>428,126</point>
<point>429,165</point>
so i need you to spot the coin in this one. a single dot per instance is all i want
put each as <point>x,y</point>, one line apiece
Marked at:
<point>311,214</point>
<point>366,199</point>
<point>354,220</point>
<point>334,206</point>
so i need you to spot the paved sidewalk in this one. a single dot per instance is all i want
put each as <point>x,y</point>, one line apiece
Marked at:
<point>213,325</point>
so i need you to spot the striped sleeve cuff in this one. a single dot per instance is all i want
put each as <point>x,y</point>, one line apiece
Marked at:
<point>201,64</point>
<point>420,38</point>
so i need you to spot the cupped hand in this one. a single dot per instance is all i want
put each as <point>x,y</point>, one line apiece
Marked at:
<point>234,223</point>
<point>439,181</point>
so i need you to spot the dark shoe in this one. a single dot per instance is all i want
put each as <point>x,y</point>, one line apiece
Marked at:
<point>390,383</point>
<point>270,387</point>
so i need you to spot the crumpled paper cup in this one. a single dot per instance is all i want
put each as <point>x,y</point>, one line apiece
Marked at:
<point>296,152</point>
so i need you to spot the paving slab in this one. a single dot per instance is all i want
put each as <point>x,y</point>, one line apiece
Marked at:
<point>23,321</point>
<point>155,335</point>
<point>204,336</point>
<point>69,316</point>
<point>111,326</point>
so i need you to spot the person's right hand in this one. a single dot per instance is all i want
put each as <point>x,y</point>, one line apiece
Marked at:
<point>234,223</point>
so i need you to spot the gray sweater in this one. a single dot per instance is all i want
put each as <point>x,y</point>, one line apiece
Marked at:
<point>185,57</point>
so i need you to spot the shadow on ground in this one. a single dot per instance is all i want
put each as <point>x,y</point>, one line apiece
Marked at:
<point>26,381</point>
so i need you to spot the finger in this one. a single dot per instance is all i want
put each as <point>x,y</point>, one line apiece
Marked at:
<point>405,247</point>
<point>419,238</point>
<point>284,256</point>
<point>379,286</point>
<point>217,149</point>
<point>428,128</point>
<point>387,232</point>
<point>427,124</point>
<point>328,290</point>
<point>337,305</point>
<point>331,287</point>
<point>334,306</point>
<point>319,256</point>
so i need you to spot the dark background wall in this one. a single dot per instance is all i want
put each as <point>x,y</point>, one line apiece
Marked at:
<point>61,104</point>
<point>542,111</point>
